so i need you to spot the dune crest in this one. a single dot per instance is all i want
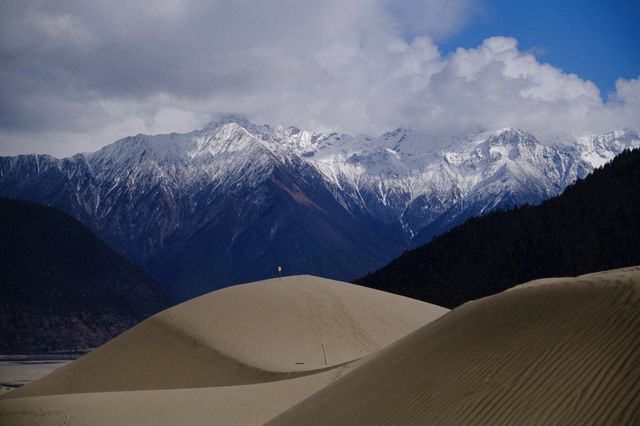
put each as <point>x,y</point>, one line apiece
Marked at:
<point>252,333</point>
<point>557,351</point>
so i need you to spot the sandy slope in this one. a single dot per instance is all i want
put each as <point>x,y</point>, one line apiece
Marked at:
<point>225,405</point>
<point>247,334</point>
<point>559,351</point>
<point>555,351</point>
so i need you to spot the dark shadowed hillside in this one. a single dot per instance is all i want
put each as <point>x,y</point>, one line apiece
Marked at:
<point>594,225</point>
<point>63,289</point>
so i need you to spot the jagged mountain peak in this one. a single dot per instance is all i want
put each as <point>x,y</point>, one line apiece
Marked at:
<point>512,135</point>
<point>239,120</point>
<point>292,130</point>
<point>494,146</point>
<point>599,149</point>
<point>398,131</point>
<point>505,135</point>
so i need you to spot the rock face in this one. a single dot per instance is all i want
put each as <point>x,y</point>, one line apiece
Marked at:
<point>63,289</point>
<point>228,203</point>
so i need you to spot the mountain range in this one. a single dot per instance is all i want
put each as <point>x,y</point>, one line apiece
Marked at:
<point>231,202</point>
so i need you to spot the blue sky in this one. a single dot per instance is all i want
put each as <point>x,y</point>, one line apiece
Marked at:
<point>598,40</point>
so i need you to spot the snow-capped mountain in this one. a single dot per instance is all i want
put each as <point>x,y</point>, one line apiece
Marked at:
<point>230,202</point>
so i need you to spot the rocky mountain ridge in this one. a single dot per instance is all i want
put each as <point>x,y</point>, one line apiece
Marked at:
<point>230,202</point>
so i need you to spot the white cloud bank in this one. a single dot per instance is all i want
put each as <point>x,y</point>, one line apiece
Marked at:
<point>76,75</point>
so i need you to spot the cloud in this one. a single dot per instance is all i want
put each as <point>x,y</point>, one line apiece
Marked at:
<point>436,18</point>
<point>77,75</point>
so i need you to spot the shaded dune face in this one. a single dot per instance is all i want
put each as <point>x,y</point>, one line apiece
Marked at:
<point>254,333</point>
<point>560,351</point>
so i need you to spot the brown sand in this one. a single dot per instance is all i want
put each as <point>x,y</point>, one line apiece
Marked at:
<point>559,351</point>
<point>247,334</point>
<point>224,405</point>
<point>556,351</point>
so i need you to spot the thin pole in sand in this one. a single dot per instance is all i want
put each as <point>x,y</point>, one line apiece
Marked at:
<point>324,353</point>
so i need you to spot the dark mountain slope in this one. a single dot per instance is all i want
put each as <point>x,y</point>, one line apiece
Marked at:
<point>594,225</point>
<point>288,219</point>
<point>63,289</point>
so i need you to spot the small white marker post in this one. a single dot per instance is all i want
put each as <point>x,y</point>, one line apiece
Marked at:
<point>324,353</point>
<point>279,272</point>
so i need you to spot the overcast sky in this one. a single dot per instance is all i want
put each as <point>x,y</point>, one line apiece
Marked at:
<point>77,75</point>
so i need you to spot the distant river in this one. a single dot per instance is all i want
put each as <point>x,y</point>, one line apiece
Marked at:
<point>18,370</point>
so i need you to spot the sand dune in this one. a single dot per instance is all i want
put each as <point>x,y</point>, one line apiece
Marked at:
<point>247,334</point>
<point>554,351</point>
<point>558,351</point>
